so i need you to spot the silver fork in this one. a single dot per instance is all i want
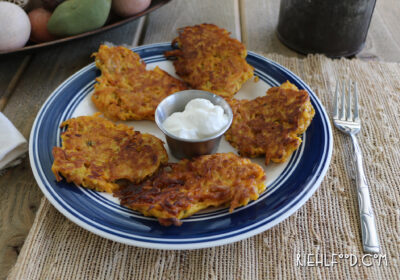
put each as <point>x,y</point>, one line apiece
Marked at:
<point>346,119</point>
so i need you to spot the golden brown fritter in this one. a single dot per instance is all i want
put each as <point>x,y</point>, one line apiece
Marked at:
<point>186,187</point>
<point>125,89</point>
<point>95,153</point>
<point>271,124</point>
<point>208,59</point>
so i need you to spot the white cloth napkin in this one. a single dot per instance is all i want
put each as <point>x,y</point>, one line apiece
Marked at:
<point>13,145</point>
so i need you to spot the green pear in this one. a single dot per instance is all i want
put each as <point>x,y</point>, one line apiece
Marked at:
<point>77,16</point>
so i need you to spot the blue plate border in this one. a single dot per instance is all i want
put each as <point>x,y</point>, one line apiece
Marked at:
<point>283,202</point>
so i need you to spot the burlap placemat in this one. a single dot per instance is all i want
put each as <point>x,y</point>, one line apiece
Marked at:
<point>326,225</point>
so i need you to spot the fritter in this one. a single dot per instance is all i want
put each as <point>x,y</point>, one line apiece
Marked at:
<point>186,187</point>
<point>96,153</point>
<point>126,90</point>
<point>208,59</point>
<point>270,125</point>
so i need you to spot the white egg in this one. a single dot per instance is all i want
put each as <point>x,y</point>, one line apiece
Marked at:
<point>15,26</point>
<point>126,8</point>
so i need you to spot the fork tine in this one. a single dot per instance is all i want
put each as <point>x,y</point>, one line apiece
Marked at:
<point>348,111</point>
<point>342,108</point>
<point>336,101</point>
<point>356,118</point>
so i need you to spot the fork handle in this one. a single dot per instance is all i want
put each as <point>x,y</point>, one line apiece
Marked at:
<point>367,218</point>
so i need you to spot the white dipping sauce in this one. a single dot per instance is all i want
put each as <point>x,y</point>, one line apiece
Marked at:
<point>200,119</point>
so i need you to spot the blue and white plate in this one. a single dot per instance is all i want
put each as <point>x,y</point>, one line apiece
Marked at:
<point>290,185</point>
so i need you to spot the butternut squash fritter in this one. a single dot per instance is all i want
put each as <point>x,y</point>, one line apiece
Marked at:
<point>208,59</point>
<point>271,125</point>
<point>95,153</point>
<point>186,187</point>
<point>125,89</point>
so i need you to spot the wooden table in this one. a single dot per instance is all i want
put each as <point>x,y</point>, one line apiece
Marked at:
<point>29,80</point>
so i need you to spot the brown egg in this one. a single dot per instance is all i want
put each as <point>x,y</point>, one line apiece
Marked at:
<point>126,8</point>
<point>39,18</point>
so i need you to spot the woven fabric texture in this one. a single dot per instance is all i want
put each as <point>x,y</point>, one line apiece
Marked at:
<point>327,224</point>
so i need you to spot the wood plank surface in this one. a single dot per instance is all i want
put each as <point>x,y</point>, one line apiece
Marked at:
<point>12,84</point>
<point>383,40</point>
<point>261,20</point>
<point>8,67</point>
<point>19,194</point>
<point>163,23</point>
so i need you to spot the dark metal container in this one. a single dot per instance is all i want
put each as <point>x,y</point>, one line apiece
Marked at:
<point>332,27</point>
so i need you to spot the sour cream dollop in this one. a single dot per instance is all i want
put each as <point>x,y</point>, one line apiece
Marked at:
<point>200,119</point>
